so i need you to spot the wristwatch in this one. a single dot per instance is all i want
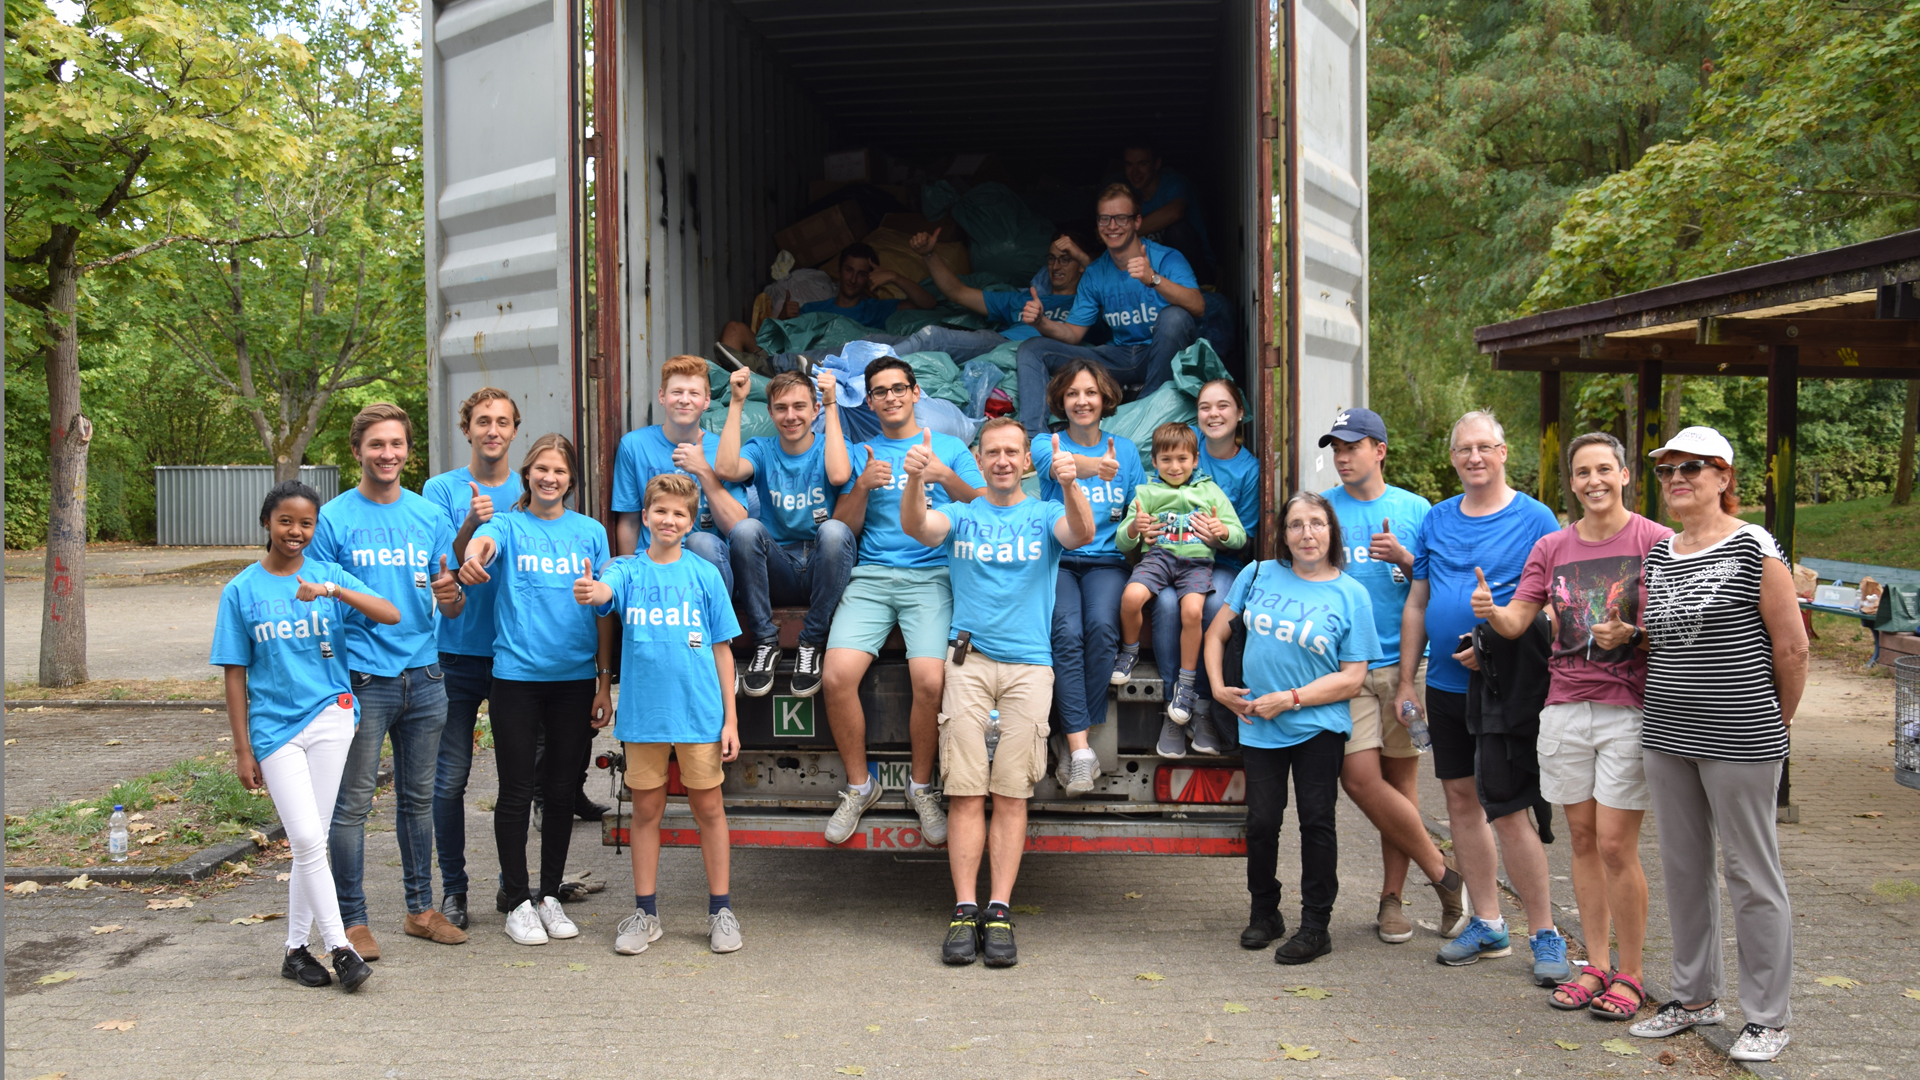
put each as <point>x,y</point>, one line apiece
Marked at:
<point>1639,635</point>
<point>1296,699</point>
<point>333,590</point>
<point>1156,279</point>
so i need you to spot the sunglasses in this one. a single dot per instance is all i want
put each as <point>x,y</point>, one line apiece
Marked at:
<point>1687,469</point>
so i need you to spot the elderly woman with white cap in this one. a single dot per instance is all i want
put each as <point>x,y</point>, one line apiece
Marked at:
<point>1727,665</point>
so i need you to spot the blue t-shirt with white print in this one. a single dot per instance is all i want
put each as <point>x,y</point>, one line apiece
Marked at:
<point>1002,561</point>
<point>1402,511</point>
<point>542,634</point>
<point>795,497</point>
<point>472,633</point>
<point>1298,631</point>
<point>294,651</point>
<point>1109,498</point>
<point>1129,307</point>
<point>1239,477</point>
<point>394,547</point>
<point>881,540</point>
<point>1449,546</point>
<point>1005,308</point>
<point>645,454</point>
<point>672,616</point>
<point>870,311</point>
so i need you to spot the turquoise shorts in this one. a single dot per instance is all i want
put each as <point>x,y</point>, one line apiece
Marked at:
<point>878,598</point>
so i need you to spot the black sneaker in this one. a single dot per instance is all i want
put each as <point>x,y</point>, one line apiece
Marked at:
<point>349,969</point>
<point>759,678</point>
<point>806,670</point>
<point>1263,929</point>
<point>454,907</point>
<point>586,809</point>
<point>501,903</point>
<point>996,940</point>
<point>1304,947</point>
<point>963,938</point>
<point>301,967</point>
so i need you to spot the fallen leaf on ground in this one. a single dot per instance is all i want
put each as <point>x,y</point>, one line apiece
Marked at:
<point>1233,1007</point>
<point>283,877</point>
<point>1666,1057</point>
<point>1311,993</point>
<point>10,742</point>
<point>959,1047</point>
<point>1621,1047</point>
<point>1912,993</point>
<point>110,928</point>
<point>224,738</point>
<point>82,883</point>
<point>1130,896</point>
<point>1098,998</point>
<point>873,1027</point>
<point>1151,976</point>
<point>46,1076</point>
<point>852,1070</point>
<point>113,742</point>
<point>115,1025</point>
<point>56,977</point>
<point>154,839</point>
<point>1838,982</point>
<point>518,963</point>
<point>1026,909</point>
<point>1871,813</point>
<point>239,868</point>
<point>1298,1053</point>
<point>1566,1045</point>
<point>141,826</point>
<point>135,816</point>
<point>206,710</point>
<point>791,1035</point>
<point>164,905</point>
<point>576,967</point>
<point>246,921</point>
<point>24,888</point>
<point>258,837</point>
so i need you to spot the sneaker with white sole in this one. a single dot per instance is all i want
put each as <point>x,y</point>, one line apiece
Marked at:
<point>806,669</point>
<point>1206,738</point>
<point>846,817</point>
<point>1123,666</point>
<point>1758,1043</point>
<point>933,816</point>
<point>1674,1018</point>
<point>1180,706</point>
<point>723,931</point>
<point>758,681</point>
<point>1076,774</point>
<point>1479,940</point>
<point>1172,743</point>
<point>553,919</point>
<point>635,933</point>
<point>523,925</point>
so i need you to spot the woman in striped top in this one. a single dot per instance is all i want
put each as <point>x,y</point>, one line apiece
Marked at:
<point>1728,662</point>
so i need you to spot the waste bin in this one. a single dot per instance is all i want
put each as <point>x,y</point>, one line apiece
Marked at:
<point>1906,720</point>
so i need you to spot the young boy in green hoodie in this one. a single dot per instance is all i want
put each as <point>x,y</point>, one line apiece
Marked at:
<point>1181,520</point>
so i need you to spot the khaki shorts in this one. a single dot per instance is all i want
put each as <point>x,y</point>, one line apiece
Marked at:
<point>1374,725</point>
<point>1592,751</point>
<point>1023,693</point>
<point>700,766</point>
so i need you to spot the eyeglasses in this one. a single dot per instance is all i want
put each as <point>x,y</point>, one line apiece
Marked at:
<point>1105,220</point>
<point>1301,528</point>
<point>1482,449</point>
<point>896,390</point>
<point>1060,260</point>
<point>1687,469</point>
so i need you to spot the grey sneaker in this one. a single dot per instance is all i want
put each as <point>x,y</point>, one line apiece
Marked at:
<point>1206,737</point>
<point>1674,1018</point>
<point>1173,740</point>
<point>1077,774</point>
<point>723,931</point>
<point>1180,706</point>
<point>846,818</point>
<point>1123,666</point>
<point>933,817</point>
<point>1758,1043</point>
<point>635,933</point>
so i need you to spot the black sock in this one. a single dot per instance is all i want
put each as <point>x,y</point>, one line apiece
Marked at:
<point>648,903</point>
<point>997,910</point>
<point>965,911</point>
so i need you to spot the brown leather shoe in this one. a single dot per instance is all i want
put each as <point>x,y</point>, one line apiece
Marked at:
<point>433,926</point>
<point>361,939</point>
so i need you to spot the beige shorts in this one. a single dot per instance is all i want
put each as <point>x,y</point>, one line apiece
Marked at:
<point>1023,693</point>
<point>700,765</point>
<point>1374,725</point>
<point>1592,751</point>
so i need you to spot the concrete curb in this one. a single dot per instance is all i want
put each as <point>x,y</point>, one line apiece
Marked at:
<point>110,703</point>
<point>194,867</point>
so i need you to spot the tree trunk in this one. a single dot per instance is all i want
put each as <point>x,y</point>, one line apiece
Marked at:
<point>63,616</point>
<point>1675,397</point>
<point>285,467</point>
<point>1903,483</point>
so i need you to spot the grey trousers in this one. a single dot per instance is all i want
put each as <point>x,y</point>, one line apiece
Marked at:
<point>1697,801</point>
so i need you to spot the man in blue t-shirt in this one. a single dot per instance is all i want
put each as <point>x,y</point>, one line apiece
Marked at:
<point>1147,295</point>
<point>794,551</point>
<point>1381,771</point>
<point>400,544</point>
<point>1003,552</point>
<point>860,275</point>
<point>898,582</point>
<point>1169,208</point>
<point>1054,286</point>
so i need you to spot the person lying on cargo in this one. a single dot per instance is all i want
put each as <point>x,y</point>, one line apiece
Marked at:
<point>898,582</point>
<point>794,552</point>
<point>1004,551</point>
<point>1053,286</point>
<point>1169,208</point>
<point>860,274</point>
<point>677,445</point>
<point>1145,292</point>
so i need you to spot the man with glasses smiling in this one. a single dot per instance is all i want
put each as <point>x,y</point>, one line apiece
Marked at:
<point>1067,259</point>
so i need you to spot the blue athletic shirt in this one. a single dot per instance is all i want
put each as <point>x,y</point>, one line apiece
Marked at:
<point>1449,545</point>
<point>472,633</point>
<point>1002,561</point>
<point>394,547</point>
<point>881,541</point>
<point>795,498</point>
<point>1004,308</point>
<point>1130,307</point>
<point>871,311</point>
<point>1109,498</point>
<point>1239,477</point>
<point>645,454</point>
<point>672,616</point>
<point>1298,631</point>
<point>542,634</point>
<point>1386,583</point>
<point>295,653</point>
<point>1173,186</point>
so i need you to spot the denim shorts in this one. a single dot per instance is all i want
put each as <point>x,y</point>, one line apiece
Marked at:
<point>878,598</point>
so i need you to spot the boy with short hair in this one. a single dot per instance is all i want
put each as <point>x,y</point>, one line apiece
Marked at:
<point>675,620</point>
<point>677,445</point>
<point>1181,519</point>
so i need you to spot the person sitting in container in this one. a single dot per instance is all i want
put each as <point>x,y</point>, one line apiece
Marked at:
<point>1055,287</point>
<point>860,275</point>
<point>1169,208</point>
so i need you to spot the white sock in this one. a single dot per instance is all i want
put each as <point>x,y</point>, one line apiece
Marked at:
<point>1499,923</point>
<point>915,787</point>
<point>1086,754</point>
<point>861,789</point>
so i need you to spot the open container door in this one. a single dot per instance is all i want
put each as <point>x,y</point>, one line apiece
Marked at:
<point>502,178</point>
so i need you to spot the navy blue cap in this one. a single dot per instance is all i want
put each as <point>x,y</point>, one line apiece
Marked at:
<point>1352,425</point>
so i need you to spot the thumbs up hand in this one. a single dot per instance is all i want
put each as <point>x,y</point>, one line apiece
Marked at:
<point>1384,547</point>
<point>1031,311</point>
<point>479,552</point>
<point>1140,269</point>
<point>588,592</point>
<point>876,474</point>
<point>1066,467</point>
<point>1614,633</point>
<point>1146,528</point>
<point>481,508</point>
<point>829,388</point>
<point>445,589</point>
<point>308,591</point>
<point>1109,466</point>
<point>921,458</point>
<point>1482,596</point>
<point>924,243</point>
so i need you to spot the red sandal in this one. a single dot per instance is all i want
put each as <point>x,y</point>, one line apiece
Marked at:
<point>1581,996</point>
<point>1612,1006</point>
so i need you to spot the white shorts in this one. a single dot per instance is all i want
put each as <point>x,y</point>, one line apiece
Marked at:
<point>1592,751</point>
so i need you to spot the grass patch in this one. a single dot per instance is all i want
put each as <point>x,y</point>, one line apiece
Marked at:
<point>1897,890</point>
<point>1863,530</point>
<point>192,802</point>
<point>1841,638</point>
<point>209,689</point>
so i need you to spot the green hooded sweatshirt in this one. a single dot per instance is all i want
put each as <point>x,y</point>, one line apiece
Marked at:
<point>1174,506</point>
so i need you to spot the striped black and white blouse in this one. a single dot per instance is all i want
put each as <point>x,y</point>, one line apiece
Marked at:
<point>1710,691</point>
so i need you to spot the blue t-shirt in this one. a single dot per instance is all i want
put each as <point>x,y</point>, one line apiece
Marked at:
<point>542,634</point>
<point>672,616</point>
<point>1298,631</point>
<point>1385,582</point>
<point>871,311</point>
<point>1109,498</point>
<point>645,454</point>
<point>1004,308</point>
<point>1239,477</point>
<point>1130,307</point>
<point>881,540</point>
<point>1002,561</point>
<point>1173,186</point>
<point>795,498</point>
<point>394,547</point>
<point>1446,551</point>
<point>295,653</point>
<point>472,633</point>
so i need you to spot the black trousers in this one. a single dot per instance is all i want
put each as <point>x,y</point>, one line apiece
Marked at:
<point>525,713</point>
<point>1315,765</point>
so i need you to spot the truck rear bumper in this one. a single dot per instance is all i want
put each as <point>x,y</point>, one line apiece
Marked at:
<point>896,832</point>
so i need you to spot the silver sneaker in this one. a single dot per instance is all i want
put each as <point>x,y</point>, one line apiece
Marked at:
<point>1076,774</point>
<point>636,932</point>
<point>1173,740</point>
<point>523,925</point>
<point>553,919</point>
<point>1674,1018</point>
<point>846,817</point>
<point>933,817</point>
<point>723,931</point>
<point>1758,1043</point>
<point>1206,737</point>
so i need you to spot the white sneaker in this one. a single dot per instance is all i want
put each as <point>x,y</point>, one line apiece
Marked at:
<point>636,932</point>
<point>723,931</point>
<point>933,817</point>
<point>523,925</point>
<point>554,918</point>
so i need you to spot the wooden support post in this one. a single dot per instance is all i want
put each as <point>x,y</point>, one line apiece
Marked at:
<point>1783,415</point>
<point>1551,484</point>
<point>1647,407</point>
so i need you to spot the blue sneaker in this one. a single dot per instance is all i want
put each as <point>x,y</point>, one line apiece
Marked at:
<point>1123,666</point>
<point>1476,941</point>
<point>1180,708</point>
<point>1550,967</point>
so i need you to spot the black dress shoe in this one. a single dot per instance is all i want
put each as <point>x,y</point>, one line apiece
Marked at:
<point>501,903</point>
<point>349,969</point>
<point>454,906</point>
<point>586,809</point>
<point>1263,929</point>
<point>1304,947</point>
<point>301,967</point>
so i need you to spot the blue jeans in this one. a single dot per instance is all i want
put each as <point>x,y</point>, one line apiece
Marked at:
<point>1166,631</point>
<point>412,708</point>
<point>813,572</point>
<point>959,345</point>
<point>469,681</point>
<point>714,550</point>
<point>1086,636</point>
<point>1149,364</point>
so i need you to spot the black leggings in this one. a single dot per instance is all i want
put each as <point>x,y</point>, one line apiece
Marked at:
<point>524,713</point>
<point>1315,765</point>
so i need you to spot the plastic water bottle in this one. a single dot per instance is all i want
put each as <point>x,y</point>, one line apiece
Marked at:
<point>117,834</point>
<point>1416,727</point>
<point>993,732</point>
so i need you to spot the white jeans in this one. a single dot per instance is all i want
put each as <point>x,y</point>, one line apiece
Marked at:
<point>304,777</point>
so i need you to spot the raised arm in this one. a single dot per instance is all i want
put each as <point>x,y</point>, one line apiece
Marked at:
<point>839,466</point>
<point>1077,528</point>
<point>929,527</point>
<point>373,607</point>
<point>851,511</point>
<point>1034,315</point>
<point>727,461</point>
<point>1510,621</point>
<point>927,245</point>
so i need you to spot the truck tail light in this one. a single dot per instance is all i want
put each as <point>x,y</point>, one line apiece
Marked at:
<point>1199,784</point>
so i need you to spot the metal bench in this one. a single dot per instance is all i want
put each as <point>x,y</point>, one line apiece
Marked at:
<point>1840,572</point>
